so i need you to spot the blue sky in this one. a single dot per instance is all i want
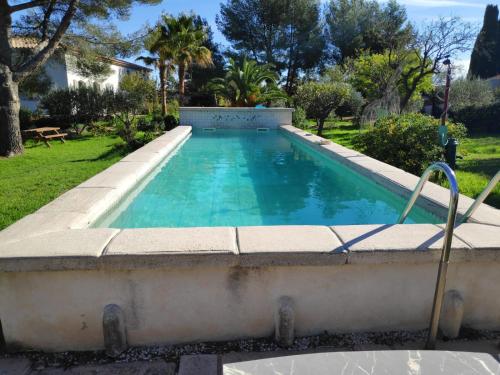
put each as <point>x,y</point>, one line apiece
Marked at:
<point>419,12</point>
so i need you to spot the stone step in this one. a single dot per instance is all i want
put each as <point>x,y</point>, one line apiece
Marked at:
<point>21,366</point>
<point>201,364</point>
<point>14,366</point>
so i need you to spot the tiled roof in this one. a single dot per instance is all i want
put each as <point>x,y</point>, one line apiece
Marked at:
<point>23,42</point>
<point>30,42</point>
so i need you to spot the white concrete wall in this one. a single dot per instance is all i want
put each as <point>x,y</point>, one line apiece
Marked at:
<point>55,69</point>
<point>235,118</point>
<point>57,311</point>
<point>61,71</point>
<point>113,80</point>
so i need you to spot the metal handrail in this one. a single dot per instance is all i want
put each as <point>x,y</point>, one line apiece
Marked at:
<point>448,236</point>
<point>480,199</point>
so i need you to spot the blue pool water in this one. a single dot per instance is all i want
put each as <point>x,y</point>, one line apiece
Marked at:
<point>245,177</point>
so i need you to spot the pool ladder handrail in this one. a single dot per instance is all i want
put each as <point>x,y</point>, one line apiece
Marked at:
<point>481,198</point>
<point>448,236</point>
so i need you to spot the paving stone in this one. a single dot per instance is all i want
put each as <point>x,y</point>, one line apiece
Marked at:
<point>157,367</point>
<point>39,223</point>
<point>202,364</point>
<point>82,200</point>
<point>370,362</point>
<point>174,240</point>
<point>287,239</point>
<point>14,366</point>
<point>479,236</point>
<point>67,249</point>
<point>120,175</point>
<point>69,243</point>
<point>388,243</point>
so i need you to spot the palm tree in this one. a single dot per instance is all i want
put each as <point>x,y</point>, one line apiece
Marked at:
<point>184,39</point>
<point>246,84</point>
<point>161,58</point>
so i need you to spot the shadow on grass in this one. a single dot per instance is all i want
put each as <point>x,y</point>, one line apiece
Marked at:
<point>487,167</point>
<point>114,152</point>
<point>350,127</point>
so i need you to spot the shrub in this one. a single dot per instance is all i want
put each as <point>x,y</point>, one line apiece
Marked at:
<point>170,122</point>
<point>148,137</point>
<point>299,118</point>
<point>479,119</point>
<point>61,107</point>
<point>145,125</point>
<point>157,121</point>
<point>409,141</point>
<point>79,105</point>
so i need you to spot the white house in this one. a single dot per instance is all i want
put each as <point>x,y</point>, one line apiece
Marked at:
<point>61,69</point>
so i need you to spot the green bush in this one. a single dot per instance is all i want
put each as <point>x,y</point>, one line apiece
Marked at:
<point>409,141</point>
<point>170,122</point>
<point>483,119</point>
<point>299,118</point>
<point>77,105</point>
<point>60,105</point>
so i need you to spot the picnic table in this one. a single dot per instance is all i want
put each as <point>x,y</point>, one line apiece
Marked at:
<point>45,134</point>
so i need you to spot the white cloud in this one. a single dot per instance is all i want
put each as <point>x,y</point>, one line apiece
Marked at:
<point>443,3</point>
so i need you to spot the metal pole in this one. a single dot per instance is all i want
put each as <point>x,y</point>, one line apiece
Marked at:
<point>445,260</point>
<point>444,116</point>
<point>448,237</point>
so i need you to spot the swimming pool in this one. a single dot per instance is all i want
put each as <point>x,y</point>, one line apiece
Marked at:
<point>248,178</point>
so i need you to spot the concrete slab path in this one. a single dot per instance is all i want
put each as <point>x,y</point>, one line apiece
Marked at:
<point>397,362</point>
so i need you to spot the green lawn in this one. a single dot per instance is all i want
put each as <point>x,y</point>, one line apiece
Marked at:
<point>29,181</point>
<point>481,158</point>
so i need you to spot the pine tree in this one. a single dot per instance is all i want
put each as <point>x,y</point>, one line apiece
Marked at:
<point>486,53</point>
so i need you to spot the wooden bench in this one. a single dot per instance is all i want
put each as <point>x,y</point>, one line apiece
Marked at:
<point>46,134</point>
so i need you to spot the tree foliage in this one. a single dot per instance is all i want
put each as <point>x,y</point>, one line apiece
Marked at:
<point>372,74</point>
<point>285,33</point>
<point>486,53</point>
<point>247,83</point>
<point>470,93</point>
<point>436,41</point>
<point>186,39</point>
<point>365,25</point>
<point>77,23</point>
<point>201,76</point>
<point>320,99</point>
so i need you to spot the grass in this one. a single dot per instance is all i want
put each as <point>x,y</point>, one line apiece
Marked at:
<point>31,180</point>
<point>480,162</point>
<point>341,132</point>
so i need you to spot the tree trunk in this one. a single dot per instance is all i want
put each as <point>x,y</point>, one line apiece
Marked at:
<point>321,123</point>
<point>163,90</point>
<point>182,79</point>
<point>11,143</point>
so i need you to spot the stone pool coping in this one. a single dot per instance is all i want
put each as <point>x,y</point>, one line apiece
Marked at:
<point>58,237</point>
